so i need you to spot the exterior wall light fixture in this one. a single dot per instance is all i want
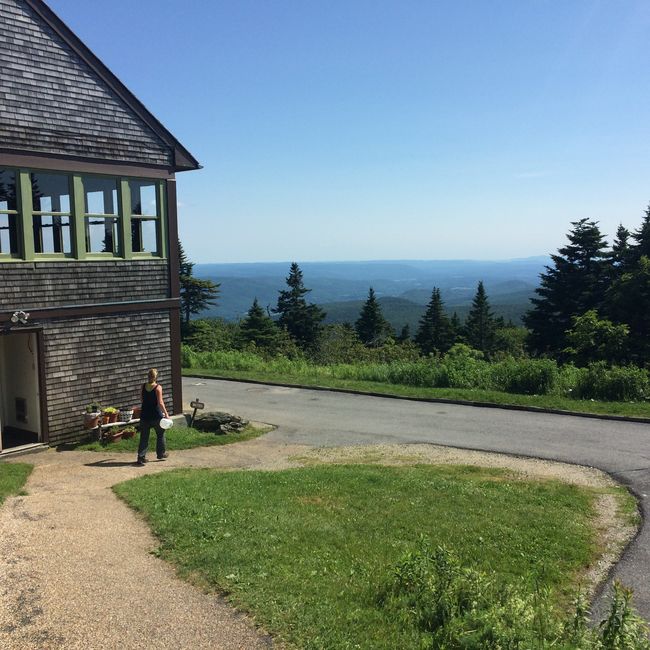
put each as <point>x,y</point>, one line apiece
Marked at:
<point>20,317</point>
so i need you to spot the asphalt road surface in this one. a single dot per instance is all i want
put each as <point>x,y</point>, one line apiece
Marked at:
<point>324,418</point>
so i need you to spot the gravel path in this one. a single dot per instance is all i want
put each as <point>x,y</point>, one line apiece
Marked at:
<point>77,569</point>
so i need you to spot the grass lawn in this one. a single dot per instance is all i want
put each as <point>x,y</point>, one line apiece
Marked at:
<point>177,438</point>
<point>12,478</point>
<point>629,409</point>
<point>307,550</point>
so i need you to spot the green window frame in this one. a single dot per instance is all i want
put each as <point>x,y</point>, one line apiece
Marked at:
<point>9,213</point>
<point>52,225</point>
<point>147,225</point>
<point>58,222</point>
<point>102,214</point>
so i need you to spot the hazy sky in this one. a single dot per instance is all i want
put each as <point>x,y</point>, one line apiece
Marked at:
<point>364,129</point>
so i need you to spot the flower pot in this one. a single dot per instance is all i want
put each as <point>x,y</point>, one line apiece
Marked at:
<point>125,416</point>
<point>128,434</point>
<point>113,436</point>
<point>91,420</point>
<point>112,417</point>
<point>136,411</point>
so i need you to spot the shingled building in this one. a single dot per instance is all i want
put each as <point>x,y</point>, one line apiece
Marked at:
<point>89,295</point>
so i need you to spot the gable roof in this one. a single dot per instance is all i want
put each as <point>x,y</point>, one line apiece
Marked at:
<point>181,158</point>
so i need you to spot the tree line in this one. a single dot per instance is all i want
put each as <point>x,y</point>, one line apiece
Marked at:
<point>592,305</point>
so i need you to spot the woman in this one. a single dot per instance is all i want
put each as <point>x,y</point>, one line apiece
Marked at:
<point>153,410</point>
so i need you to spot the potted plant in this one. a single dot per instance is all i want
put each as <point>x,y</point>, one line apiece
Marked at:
<point>91,416</point>
<point>113,434</point>
<point>136,411</point>
<point>129,432</point>
<point>125,415</point>
<point>109,414</point>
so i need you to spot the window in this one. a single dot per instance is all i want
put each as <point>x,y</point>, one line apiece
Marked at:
<point>8,212</point>
<point>51,212</point>
<point>101,213</point>
<point>145,216</point>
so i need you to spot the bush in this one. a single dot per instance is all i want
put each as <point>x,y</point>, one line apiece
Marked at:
<point>620,383</point>
<point>527,377</point>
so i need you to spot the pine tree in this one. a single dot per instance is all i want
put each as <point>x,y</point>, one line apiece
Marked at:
<point>642,239</point>
<point>456,329</point>
<point>405,334</point>
<point>434,333</point>
<point>621,251</point>
<point>258,327</point>
<point>371,326</point>
<point>573,285</point>
<point>196,294</point>
<point>302,321</point>
<point>480,323</point>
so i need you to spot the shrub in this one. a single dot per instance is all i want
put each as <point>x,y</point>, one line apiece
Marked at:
<point>620,383</point>
<point>528,377</point>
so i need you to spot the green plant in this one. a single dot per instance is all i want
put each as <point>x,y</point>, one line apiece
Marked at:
<point>109,410</point>
<point>93,407</point>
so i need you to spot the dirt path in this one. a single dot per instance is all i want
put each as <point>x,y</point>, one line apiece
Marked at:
<point>76,568</point>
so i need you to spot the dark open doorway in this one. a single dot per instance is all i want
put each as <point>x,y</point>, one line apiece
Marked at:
<point>20,390</point>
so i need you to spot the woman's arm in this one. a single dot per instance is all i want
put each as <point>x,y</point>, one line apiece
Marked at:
<point>161,404</point>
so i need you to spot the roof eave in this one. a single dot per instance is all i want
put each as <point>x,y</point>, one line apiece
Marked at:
<point>182,158</point>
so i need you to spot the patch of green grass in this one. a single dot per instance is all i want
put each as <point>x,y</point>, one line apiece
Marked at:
<point>307,550</point>
<point>177,438</point>
<point>628,409</point>
<point>12,478</point>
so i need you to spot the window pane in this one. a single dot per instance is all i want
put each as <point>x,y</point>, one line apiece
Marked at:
<point>100,195</point>
<point>50,192</point>
<point>101,235</point>
<point>144,237</point>
<point>144,198</point>
<point>8,190</point>
<point>8,234</point>
<point>52,234</point>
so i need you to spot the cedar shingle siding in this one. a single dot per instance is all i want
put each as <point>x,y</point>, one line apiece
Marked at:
<point>97,322</point>
<point>56,284</point>
<point>52,102</point>
<point>102,358</point>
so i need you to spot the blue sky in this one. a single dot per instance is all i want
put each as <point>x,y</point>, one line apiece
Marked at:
<point>365,129</point>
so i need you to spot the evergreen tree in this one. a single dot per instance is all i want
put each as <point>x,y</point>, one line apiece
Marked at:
<point>573,285</point>
<point>434,333</point>
<point>628,302</point>
<point>196,294</point>
<point>405,334</point>
<point>642,239</point>
<point>258,328</point>
<point>621,251</point>
<point>480,324</point>
<point>456,329</point>
<point>371,326</point>
<point>302,321</point>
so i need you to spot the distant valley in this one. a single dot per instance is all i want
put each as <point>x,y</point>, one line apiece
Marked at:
<point>403,287</point>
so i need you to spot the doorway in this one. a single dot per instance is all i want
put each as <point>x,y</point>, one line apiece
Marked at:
<point>20,391</point>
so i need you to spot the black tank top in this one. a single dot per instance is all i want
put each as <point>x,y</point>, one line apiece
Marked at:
<point>150,409</point>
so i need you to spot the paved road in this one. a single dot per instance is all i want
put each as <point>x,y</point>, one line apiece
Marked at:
<point>325,418</point>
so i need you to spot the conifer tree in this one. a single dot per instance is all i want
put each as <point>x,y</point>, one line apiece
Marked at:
<point>480,324</point>
<point>434,333</point>
<point>258,327</point>
<point>371,326</point>
<point>641,237</point>
<point>573,285</point>
<point>405,334</point>
<point>302,321</point>
<point>196,295</point>
<point>621,251</point>
<point>456,329</point>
